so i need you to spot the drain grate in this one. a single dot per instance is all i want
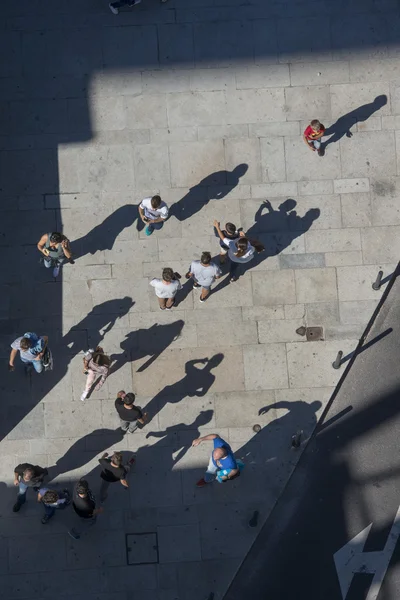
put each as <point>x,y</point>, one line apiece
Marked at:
<point>141,548</point>
<point>314,334</point>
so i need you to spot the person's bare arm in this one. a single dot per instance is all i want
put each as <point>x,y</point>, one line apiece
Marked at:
<point>308,143</point>
<point>206,438</point>
<point>16,478</point>
<point>231,475</point>
<point>124,483</point>
<point>141,214</point>
<point>66,248</point>
<point>13,354</point>
<point>41,244</point>
<point>143,419</point>
<point>218,230</point>
<point>97,511</point>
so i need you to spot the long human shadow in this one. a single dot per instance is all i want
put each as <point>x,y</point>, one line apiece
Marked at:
<point>146,342</point>
<point>343,125</point>
<point>201,194</point>
<point>196,382</point>
<point>103,236</point>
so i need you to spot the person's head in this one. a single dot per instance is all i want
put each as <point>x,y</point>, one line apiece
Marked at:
<point>82,488</point>
<point>99,358</point>
<point>205,258</point>
<point>129,398</point>
<point>241,246</point>
<point>168,274</point>
<point>25,343</point>
<point>28,474</point>
<point>50,497</point>
<point>220,453</point>
<point>56,237</point>
<point>156,202</point>
<point>230,228</point>
<point>315,124</point>
<point>116,459</point>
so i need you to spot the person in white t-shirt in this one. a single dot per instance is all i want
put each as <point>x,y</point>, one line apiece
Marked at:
<point>166,288</point>
<point>204,273</point>
<point>240,251</point>
<point>153,212</point>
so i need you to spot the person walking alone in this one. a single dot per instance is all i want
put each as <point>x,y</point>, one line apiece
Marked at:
<point>129,415</point>
<point>166,288</point>
<point>56,250</point>
<point>31,349</point>
<point>153,212</point>
<point>84,505</point>
<point>95,364</point>
<point>113,471</point>
<point>222,459</point>
<point>204,273</point>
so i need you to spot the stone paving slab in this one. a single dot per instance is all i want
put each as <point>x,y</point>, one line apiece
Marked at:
<point>204,103</point>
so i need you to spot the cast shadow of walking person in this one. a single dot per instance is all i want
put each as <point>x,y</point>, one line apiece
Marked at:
<point>346,122</point>
<point>146,342</point>
<point>200,195</point>
<point>103,236</point>
<point>182,434</point>
<point>196,382</point>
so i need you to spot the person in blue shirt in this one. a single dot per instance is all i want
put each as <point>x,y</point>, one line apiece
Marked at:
<point>221,460</point>
<point>31,348</point>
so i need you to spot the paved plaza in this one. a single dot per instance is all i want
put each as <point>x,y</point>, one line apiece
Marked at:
<point>203,102</point>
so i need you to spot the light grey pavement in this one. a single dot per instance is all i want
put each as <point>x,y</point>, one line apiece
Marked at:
<point>97,112</point>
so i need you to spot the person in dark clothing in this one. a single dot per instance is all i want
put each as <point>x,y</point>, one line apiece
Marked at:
<point>27,476</point>
<point>84,504</point>
<point>113,471</point>
<point>231,233</point>
<point>130,415</point>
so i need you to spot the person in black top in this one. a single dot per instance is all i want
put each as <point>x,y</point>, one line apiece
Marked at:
<point>231,233</point>
<point>84,504</point>
<point>27,476</point>
<point>113,471</point>
<point>129,414</point>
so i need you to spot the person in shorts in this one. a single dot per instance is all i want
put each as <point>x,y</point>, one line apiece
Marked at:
<point>129,415</point>
<point>166,288</point>
<point>204,272</point>
<point>221,459</point>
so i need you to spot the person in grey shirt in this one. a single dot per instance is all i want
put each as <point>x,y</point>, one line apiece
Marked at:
<point>204,273</point>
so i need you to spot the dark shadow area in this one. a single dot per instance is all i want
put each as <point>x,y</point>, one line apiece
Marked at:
<point>213,187</point>
<point>196,382</point>
<point>143,342</point>
<point>103,236</point>
<point>343,125</point>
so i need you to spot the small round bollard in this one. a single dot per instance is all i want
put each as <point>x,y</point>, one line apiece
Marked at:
<point>338,360</point>
<point>256,428</point>
<point>376,286</point>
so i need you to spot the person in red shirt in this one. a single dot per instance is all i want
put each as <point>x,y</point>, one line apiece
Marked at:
<point>312,136</point>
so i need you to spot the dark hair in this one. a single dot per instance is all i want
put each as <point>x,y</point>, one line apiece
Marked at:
<point>168,274</point>
<point>117,458</point>
<point>56,237</point>
<point>241,245</point>
<point>129,398</point>
<point>50,497</point>
<point>100,358</point>
<point>28,471</point>
<point>25,343</point>
<point>205,258</point>
<point>315,123</point>
<point>82,487</point>
<point>230,228</point>
<point>156,201</point>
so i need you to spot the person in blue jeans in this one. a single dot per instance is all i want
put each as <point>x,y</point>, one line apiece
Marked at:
<point>52,501</point>
<point>27,476</point>
<point>31,348</point>
<point>222,459</point>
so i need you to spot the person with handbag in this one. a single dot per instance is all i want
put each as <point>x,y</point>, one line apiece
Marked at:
<point>95,364</point>
<point>56,250</point>
<point>31,348</point>
<point>222,464</point>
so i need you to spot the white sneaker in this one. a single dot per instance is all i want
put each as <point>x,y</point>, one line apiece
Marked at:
<point>84,396</point>
<point>56,272</point>
<point>114,10</point>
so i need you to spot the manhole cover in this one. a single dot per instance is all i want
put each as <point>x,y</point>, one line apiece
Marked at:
<point>141,548</point>
<point>314,334</point>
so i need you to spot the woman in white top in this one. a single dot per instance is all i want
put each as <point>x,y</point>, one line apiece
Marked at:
<point>240,251</point>
<point>166,288</point>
